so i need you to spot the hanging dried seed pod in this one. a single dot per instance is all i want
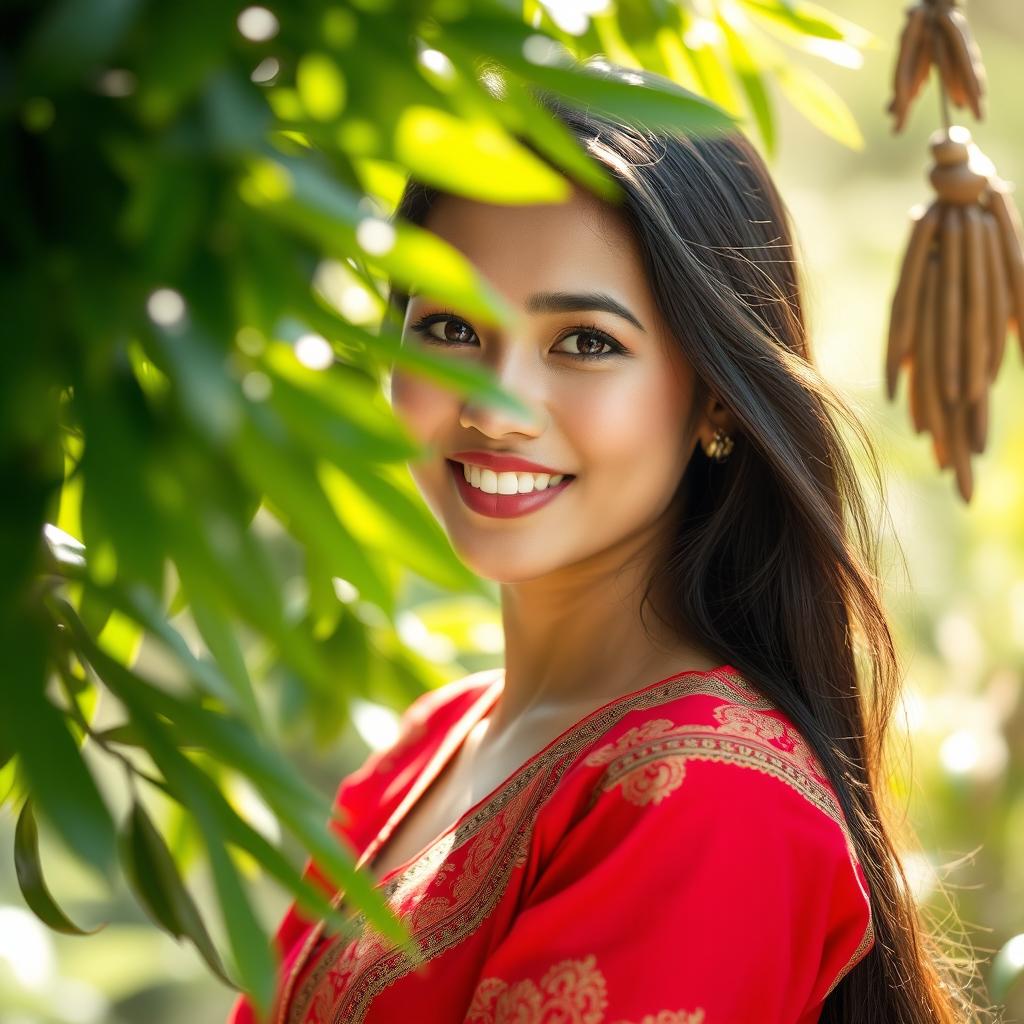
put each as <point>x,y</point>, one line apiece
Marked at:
<point>960,451</point>
<point>904,303</point>
<point>926,355</point>
<point>948,72</point>
<point>961,285</point>
<point>1011,236</point>
<point>913,48</point>
<point>975,313</point>
<point>999,298</point>
<point>952,300</point>
<point>966,57</point>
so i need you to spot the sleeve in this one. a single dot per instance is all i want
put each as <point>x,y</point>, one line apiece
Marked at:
<point>695,891</point>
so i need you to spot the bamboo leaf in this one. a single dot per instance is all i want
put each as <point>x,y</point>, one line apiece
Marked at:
<point>820,104</point>
<point>809,19</point>
<point>154,877</point>
<point>657,106</point>
<point>62,787</point>
<point>491,167</point>
<point>748,70</point>
<point>29,870</point>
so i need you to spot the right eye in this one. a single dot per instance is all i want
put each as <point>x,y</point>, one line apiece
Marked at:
<point>454,331</point>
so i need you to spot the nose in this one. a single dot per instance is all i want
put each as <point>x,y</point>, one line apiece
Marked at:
<point>496,418</point>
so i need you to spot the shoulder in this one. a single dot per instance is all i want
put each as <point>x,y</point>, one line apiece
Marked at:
<point>420,728</point>
<point>730,786</point>
<point>449,700</point>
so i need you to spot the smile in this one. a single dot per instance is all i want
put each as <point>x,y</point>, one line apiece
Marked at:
<point>505,495</point>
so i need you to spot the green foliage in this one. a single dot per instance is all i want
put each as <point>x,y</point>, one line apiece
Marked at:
<point>193,391</point>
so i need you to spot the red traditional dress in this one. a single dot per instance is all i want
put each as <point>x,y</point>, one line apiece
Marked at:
<point>676,857</point>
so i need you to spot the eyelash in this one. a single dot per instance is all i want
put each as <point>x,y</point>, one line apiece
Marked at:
<point>421,325</point>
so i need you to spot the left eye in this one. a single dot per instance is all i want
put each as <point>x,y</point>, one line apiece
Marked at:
<point>593,339</point>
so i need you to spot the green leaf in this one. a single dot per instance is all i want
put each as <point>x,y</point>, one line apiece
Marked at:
<point>749,72</point>
<point>155,879</point>
<point>702,39</point>
<point>302,197</point>
<point>220,637</point>
<point>820,104</point>
<point>61,785</point>
<point>809,19</point>
<point>137,604</point>
<point>335,412</point>
<point>491,167</point>
<point>219,822</point>
<point>29,870</point>
<point>125,734</point>
<point>287,475</point>
<point>658,105</point>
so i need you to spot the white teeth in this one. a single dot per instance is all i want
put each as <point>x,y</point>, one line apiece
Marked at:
<point>490,482</point>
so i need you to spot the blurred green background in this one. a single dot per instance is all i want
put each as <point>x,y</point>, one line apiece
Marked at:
<point>957,607</point>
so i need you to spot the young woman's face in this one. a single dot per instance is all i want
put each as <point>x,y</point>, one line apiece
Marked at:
<point>611,396</point>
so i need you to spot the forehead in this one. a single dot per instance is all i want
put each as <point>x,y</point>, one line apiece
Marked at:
<point>584,244</point>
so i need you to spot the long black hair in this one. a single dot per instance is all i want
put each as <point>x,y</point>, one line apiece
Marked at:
<point>773,560</point>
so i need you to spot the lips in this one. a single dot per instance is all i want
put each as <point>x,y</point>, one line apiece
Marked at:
<point>503,506</point>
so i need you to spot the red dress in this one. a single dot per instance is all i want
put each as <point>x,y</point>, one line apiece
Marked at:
<point>675,857</point>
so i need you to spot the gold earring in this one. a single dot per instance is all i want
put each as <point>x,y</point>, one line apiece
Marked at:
<point>720,446</point>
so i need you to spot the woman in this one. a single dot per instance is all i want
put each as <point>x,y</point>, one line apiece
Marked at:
<point>671,818</point>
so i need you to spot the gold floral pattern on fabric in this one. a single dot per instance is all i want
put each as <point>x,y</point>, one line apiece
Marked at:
<point>648,762</point>
<point>452,888</point>
<point>572,991</point>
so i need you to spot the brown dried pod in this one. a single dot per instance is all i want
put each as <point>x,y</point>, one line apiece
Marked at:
<point>999,300</point>
<point>922,64</point>
<point>979,77</point>
<point>1011,236</point>
<point>975,317</point>
<point>950,249</point>
<point>947,69</point>
<point>905,299</point>
<point>953,24</point>
<point>960,450</point>
<point>926,356</point>
<point>906,61</point>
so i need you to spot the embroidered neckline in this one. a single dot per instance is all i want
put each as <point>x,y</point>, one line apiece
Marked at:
<point>479,710</point>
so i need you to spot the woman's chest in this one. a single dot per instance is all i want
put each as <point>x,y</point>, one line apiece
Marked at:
<point>459,787</point>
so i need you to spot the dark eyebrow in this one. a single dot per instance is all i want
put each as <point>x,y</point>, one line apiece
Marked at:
<point>570,302</point>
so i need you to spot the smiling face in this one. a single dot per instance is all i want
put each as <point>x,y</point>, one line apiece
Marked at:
<point>611,391</point>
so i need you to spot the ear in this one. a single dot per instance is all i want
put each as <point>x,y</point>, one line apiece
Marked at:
<point>716,416</point>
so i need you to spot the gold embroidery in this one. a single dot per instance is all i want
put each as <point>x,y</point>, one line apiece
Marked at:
<point>571,992</point>
<point>647,762</point>
<point>353,973</point>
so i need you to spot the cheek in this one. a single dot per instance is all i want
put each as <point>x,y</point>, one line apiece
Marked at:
<point>421,406</point>
<point>632,429</point>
